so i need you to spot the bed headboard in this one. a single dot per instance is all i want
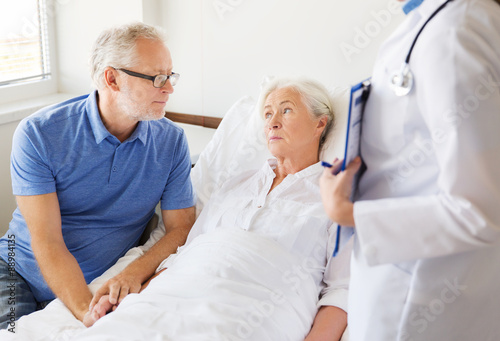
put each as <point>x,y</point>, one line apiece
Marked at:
<point>198,120</point>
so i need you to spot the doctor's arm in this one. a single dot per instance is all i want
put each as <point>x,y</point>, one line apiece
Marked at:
<point>58,266</point>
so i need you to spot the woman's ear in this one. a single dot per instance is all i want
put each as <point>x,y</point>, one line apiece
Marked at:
<point>110,79</point>
<point>322,124</point>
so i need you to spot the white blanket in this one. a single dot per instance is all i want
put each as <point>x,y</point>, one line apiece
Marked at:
<point>226,285</point>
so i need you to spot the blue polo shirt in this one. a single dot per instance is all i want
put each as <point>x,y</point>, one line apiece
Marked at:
<point>107,190</point>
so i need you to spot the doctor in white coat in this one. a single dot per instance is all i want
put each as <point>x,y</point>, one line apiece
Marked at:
<point>426,262</point>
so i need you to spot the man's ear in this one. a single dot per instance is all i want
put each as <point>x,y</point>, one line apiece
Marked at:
<point>110,79</point>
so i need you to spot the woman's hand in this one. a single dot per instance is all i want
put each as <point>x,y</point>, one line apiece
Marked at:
<point>336,192</point>
<point>118,287</point>
<point>98,310</point>
<point>104,306</point>
<point>145,285</point>
<point>329,324</point>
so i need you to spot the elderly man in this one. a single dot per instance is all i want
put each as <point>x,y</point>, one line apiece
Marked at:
<point>87,174</point>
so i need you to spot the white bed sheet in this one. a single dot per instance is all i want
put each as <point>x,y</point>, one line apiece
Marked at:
<point>226,285</point>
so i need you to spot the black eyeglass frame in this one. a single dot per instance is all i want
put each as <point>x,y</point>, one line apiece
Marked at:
<point>174,77</point>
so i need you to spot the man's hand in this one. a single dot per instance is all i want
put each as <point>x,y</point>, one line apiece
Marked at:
<point>336,192</point>
<point>117,288</point>
<point>99,310</point>
<point>177,226</point>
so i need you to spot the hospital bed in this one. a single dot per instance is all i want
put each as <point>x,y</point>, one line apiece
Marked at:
<point>238,145</point>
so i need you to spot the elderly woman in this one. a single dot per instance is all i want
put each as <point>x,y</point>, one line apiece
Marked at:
<point>259,256</point>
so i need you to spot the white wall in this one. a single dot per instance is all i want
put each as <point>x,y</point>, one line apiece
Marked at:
<point>7,201</point>
<point>78,23</point>
<point>224,48</point>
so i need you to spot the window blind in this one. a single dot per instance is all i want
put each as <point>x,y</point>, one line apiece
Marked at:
<point>24,49</point>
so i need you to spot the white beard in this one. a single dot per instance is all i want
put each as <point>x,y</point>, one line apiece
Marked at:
<point>136,109</point>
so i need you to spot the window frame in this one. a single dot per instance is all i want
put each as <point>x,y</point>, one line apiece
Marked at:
<point>37,88</point>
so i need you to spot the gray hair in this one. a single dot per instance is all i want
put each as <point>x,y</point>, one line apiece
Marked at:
<point>116,47</point>
<point>315,96</point>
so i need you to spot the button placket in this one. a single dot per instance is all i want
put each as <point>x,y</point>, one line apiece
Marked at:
<point>114,165</point>
<point>258,203</point>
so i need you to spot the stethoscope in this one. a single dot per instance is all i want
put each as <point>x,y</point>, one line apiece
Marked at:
<point>402,79</point>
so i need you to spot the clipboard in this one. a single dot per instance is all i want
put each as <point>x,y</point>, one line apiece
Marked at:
<point>358,97</point>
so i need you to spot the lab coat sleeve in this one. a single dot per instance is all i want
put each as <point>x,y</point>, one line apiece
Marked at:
<point>337,273</point>
<point>457,77</point>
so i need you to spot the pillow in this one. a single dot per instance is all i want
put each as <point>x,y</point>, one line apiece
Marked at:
<point>239,145</point>
<point>335,144</point>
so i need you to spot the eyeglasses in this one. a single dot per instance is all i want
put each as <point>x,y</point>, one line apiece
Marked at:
<point>158,80</point>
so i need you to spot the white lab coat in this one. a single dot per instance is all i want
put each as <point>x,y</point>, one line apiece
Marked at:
<point>426,261</point>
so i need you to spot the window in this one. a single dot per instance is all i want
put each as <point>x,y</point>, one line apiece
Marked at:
<point>24,49</point>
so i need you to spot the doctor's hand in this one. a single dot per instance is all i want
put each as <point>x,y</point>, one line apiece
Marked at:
<point>115,289</point>
<point>336,192</point>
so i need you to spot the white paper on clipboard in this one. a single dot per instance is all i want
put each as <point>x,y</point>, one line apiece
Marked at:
<point>359,95</point>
